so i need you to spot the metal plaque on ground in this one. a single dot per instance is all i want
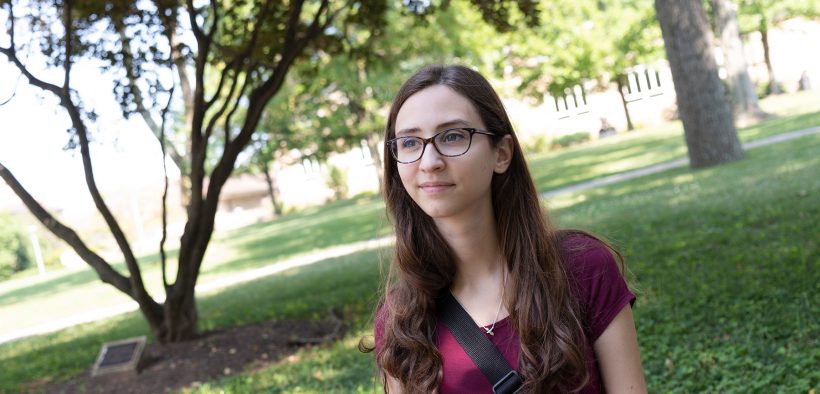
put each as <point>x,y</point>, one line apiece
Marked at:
<point>119,356</point>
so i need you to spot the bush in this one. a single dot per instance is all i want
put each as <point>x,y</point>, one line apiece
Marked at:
<point>337,181</point>
<point>765,89</point>
<point>536,144</point>
<point>571,139</point>
<point>14,252</point>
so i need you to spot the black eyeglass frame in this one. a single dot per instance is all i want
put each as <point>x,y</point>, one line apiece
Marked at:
<point>432,140</point>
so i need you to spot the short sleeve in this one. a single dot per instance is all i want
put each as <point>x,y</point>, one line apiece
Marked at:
<point>598,283</point>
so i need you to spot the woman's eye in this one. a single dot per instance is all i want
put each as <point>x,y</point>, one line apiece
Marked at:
<point>453,136</point>
<point>409,143</point>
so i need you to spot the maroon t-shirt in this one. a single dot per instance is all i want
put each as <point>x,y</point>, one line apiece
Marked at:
<point>597,282</point>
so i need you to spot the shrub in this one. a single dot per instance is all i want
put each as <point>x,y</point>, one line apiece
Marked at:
<point>570,139</point>
<point>14,252</point>
<point>536,144</point>
<point>337,181</point>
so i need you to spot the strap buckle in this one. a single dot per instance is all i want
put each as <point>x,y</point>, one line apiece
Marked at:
<point>508,384</point>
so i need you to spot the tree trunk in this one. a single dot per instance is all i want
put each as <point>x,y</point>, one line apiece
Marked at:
<point>708,126</point>
<point>774,86</point>
<point>373,140</point>
<point>176,319</point>
<point>180,315</point>
<point>620,82</point>
<point>744,97</point>
<point>273,190</point>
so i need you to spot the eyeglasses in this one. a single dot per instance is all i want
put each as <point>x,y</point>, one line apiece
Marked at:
<point>450,143</point>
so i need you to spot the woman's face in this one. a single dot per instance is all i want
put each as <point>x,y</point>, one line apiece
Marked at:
<point>449,187</point>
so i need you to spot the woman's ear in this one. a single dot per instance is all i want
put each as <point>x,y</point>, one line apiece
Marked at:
<point>503,154</point>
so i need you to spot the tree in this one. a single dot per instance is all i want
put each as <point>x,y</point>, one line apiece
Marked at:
<point>248,45</point>
<point>743,94</point>
<point>14,253</point>
<point>710,133</point>
<point>583,41</point>
<point>632,36</point>
<point>280,133</point>
<point>340,95</point>
<point>762,15</point>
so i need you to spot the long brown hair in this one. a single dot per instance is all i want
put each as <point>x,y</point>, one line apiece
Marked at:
<point>543,309</point>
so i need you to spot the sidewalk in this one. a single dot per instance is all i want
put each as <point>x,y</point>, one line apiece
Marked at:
<point>343,250</point>
<point>660,167</point>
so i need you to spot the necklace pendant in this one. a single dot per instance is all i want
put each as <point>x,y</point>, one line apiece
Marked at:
<point>489,330</point>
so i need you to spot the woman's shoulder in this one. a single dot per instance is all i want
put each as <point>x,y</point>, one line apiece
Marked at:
<point>597,280</point>
<point>584,253</point>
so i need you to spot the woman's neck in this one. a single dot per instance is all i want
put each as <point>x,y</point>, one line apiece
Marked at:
<point>480,272</point>
<point>478,256</point>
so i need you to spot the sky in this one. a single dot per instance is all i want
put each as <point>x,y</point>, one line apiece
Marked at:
<point>33,133</point>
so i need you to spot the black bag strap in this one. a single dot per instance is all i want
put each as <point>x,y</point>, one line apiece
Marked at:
<point>483,353</point>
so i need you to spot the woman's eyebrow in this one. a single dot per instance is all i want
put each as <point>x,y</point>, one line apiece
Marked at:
<point>444,125</point>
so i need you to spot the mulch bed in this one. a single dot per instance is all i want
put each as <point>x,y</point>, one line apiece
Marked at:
<point>215,354</point>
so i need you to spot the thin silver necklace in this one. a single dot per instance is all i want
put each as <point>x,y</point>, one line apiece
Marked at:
<point>500,302</point>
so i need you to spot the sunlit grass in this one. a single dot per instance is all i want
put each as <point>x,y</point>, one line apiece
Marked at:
<point>661,143</point>
<point>724,262</point>
<point>723,258</point>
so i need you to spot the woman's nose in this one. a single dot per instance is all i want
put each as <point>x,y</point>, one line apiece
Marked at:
<point>431,159</point>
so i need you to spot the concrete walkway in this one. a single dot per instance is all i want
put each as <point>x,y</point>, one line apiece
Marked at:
<point>660,167</point>
<point>202,288</point>
<point>344,250</point>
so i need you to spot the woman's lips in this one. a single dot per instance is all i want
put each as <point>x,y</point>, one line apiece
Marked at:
<point>435,187</point>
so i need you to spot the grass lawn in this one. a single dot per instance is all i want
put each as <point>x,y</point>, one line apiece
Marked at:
<point>28,301</point>
<point>653,145</point>
<point>724,260</point>
<point>725,264</point>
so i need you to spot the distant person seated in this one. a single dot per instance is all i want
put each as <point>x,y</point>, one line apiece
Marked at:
<point>606,129</point>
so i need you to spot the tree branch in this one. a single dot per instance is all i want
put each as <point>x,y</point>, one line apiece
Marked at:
<point>176,157</point>
<point>259,97</point>
<point>164,190</point>
<point>182,72</point>
<point>138,288</point>
<point>220,111</point>
<point>170,25</point>
<point>104,270</point>
<point>197,173</point>
<point>230,66</point>
<point>228,117</point>
<point>134,287</point>
<point>192,13</point>
<point>11,54</point>
<point>68,48</point>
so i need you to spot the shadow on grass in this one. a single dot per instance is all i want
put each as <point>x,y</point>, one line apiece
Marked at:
<point>779,125</point>
<point>637,150</point>
<point>338,223</point>
<point>348,284</point>
<point>566,168</point>
<point>75,279</point>
<point>725,260</point>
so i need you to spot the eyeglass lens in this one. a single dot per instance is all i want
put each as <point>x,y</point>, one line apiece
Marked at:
<point>453,142</point>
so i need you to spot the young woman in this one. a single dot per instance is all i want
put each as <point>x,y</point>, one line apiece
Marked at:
<point>468,220</point>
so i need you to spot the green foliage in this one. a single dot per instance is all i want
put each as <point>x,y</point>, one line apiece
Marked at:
<point>760,15</point>
<point>571,139</point>
<point>726,276</point>
<point>579,41</point>
<point>726,308</point>
<point>630,151</point>
<point>14,248</point>
<point>535,145</point>
<point>337,181</point>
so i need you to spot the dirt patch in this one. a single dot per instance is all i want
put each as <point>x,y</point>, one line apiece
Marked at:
<point>214,355</point>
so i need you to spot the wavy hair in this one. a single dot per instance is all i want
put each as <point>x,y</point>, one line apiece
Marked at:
<point>543,309</point>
